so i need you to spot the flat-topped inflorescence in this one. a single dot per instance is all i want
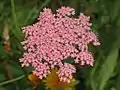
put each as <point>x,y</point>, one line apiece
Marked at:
<point>55,37</point>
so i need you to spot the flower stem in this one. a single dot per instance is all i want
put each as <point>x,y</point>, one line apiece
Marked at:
<point>14,14</point>
<point>12,80</point>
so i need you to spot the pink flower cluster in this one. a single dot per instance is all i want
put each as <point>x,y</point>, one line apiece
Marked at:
<point>65,72</point>
<point>54,38</point>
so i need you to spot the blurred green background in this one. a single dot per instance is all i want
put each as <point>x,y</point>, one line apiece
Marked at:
<point>105,16</point>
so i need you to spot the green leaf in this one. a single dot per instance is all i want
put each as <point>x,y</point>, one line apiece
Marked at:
<point>44,4</point>
<point>30,15</point>
<point>115,10</point>
<point>118,83</point>
<point>107,69</point>
<point>100,76</point>
<point>95,71</point>
<point>3,54</point>
<point>2,88</point>
<point>17,32</point>
<point>16,71</point>
<point>2,78</point>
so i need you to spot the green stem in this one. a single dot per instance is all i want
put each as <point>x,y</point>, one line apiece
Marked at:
<point>44,4</point>
<point>29,15</point>
<point>34,9</point>
<point>12,80</point>
<point>14,14</point>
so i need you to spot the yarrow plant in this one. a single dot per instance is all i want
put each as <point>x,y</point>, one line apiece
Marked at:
<point>55,37</point>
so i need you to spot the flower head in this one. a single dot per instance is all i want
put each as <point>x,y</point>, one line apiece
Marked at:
<point>56,37</point>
